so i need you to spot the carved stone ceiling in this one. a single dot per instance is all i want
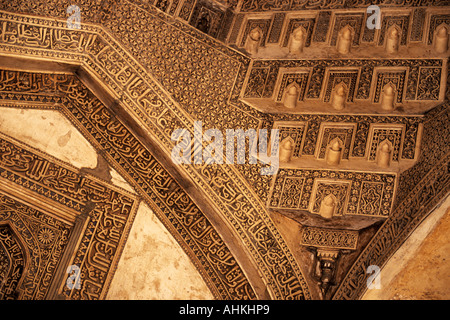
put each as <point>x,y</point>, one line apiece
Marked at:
<point>362,116</point>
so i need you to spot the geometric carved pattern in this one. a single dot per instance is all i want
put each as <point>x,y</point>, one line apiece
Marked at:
<point>347,77</point>
<point>275,29</point>
<point>417,26</point>
<point>322,25</point>
<point>301,79</point>
<point>394,78</point>
<point>336,131</point>
<point>357,193</point>
<point>393,135</point>
<point>329,238</point>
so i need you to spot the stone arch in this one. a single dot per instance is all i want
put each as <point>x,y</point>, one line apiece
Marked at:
<point>184,205</point>
<point>141,103</point>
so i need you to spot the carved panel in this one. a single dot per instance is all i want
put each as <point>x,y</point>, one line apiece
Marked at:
<point>109,221</point>
<point>322,188</point>
<point>263,24</point>
<point>329,238</point>
<point>307,24</point>
<point>276,5</point>
<point>402,22</point>
<point>371,198</point>
<point>380,134</point>
<point>435,21</point>
<point>174,6</point>
<point>295,133</point>
<point>357,192</point>
<point>256,83</point>
<point>421,189</point>
<point>418,23</point>
<point>354,20</point>
<point>291,194</point>
<point>362,131</point>
<point>275,29</point>
<point>322,26</point>
<point>347,77</point>
<point>394,78</point>
<point>428,86</point>
<point>329,132</point>
<point>299,78</point>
